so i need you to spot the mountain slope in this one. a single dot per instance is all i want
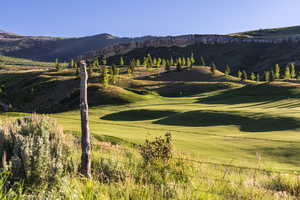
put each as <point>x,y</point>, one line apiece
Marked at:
<point>49,48</point>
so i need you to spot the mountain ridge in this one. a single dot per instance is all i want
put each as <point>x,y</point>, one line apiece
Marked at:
<point>46,48</point>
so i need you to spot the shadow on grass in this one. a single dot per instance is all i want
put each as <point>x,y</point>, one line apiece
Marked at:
<point>246,122</point>
<point>138,115</point>
<point>253,93</point>
<point>283,154</point>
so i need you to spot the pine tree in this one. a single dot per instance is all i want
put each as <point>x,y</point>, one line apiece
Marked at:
<point>245,76</point>
<point>171,62</point>
<point>57,65</point>
<point>272,75</point>
<point>239,74</point>
<point>202,61</point>
<point>154,61</point>
<point>179,61</point>
<point>192,58</point>
<point>164,62</point>
<point>104,78</point>
<point>253,77</point>
<point>257,77</point>
<point>287,73</point>
<point>158,62</point>
<point>167,66</point>
<point>131,67</point>
<point>150,61</point>
<point>189,63</point>
<point>77,69</point>
<point>293,71</point>
<point>227,70</point>
<point>277,71</point>
<point>267,76</point>
<point>72,64</point>
<point>183,61</point>
<point>121,61</point>
<point>115,73</point>
<point>104,61</point>
<point>138,62</point>
<point>213,68</point>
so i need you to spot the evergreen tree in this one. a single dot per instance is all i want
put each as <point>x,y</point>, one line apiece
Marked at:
<point>57,65</point>
<point>77,69</point>
<point>167,66</point>
<point>227,70</point>
<point>257,77</point>
<point>287,73</point>
<point>115,74</point>
<point>213,68</point>
<point>192,59</point>
<point>121,61</point>
<point>244,76</point>
<point>154,61</point>
<point>104,78</point>
<point>277,71</point>
<point>183,61</point>
<point>189,63</point>
<point>267,76</point>
<point>202,61</point>
<point>272,75</point>
<point>293,71</point>
<point>138,62</point>
<point>171,62</point>
<point>158,63</point>
<point>253,77</point>
<point>239,74</point>
<point>179,61</point>
<point>150,61</point>
<point>131,67</point>
<point>104,61</point>
<point>164,62</point>
<point>72,64</point>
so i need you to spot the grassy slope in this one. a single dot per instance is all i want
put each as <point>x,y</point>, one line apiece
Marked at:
<point>232,133</point>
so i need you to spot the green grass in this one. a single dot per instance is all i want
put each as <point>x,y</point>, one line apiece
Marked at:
<point>220,133</point>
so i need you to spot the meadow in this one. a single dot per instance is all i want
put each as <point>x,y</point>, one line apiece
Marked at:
<point>234,141</point>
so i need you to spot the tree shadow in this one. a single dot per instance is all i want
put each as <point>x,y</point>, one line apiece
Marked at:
<point>253,94</point>
<point>258,122</point>
<point>138,115</point>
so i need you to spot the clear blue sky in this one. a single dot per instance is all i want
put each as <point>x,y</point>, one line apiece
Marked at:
<point>144,17</point>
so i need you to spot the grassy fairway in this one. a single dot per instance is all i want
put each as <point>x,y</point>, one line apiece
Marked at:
<point>244,134</point>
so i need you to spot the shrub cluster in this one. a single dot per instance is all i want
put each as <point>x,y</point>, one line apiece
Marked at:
<point>32,150</point>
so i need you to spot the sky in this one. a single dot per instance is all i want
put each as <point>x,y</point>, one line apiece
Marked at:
<point>132,18</point>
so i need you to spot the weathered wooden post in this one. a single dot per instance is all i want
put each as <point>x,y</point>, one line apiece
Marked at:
<point>85,138</point>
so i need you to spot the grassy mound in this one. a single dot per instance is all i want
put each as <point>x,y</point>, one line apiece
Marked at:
<point>196,74</point>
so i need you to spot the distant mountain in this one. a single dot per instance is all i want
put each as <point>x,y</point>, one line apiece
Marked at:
<point>49,48</point>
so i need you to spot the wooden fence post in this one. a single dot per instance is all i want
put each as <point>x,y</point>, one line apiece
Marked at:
<point>85,137</point>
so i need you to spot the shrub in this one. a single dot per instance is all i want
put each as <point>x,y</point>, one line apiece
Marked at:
<point>108,170</point>
<point>158,150</point>
<point>31,149</point>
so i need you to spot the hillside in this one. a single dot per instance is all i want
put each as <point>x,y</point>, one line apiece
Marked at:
<point>48,48</point>
<point>252,57</point>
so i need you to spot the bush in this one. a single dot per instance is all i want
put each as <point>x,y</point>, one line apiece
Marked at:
<point>158,150</point>
<point>108,170</point>
<point>31,149</point>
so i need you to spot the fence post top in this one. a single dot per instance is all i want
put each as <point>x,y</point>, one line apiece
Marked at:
<point>82,62</point>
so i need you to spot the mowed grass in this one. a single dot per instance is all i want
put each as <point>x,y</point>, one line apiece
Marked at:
<point>240,134</point>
